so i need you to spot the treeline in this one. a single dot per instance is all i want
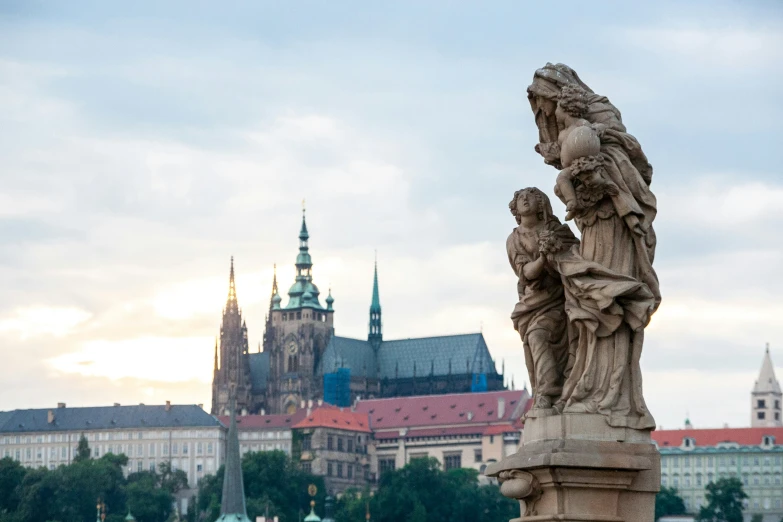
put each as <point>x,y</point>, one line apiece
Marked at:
<point>419,492</point>
<point>274,486</point>
<point>70,493</point>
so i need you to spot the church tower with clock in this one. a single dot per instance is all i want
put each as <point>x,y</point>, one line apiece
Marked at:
<point>296,336</point>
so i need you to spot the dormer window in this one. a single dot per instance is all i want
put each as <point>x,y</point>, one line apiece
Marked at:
<point>768,440</point>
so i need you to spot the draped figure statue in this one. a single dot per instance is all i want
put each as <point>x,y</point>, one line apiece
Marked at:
<point>607,287</point>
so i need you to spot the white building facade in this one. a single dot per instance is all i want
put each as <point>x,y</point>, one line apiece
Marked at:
<point>185,436</point>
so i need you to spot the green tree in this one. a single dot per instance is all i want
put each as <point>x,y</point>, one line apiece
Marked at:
<point>724,501</point>
<point>757,518</point>
<point>668,502</point>
<point>146,499</point>
<point>11,475</point>
<point>422,489</point>
<point>70,492</point>
<point>82,450</point>
<point>170,479</point>
<point>272,482</point>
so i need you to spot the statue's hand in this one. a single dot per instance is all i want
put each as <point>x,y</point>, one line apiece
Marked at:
<point>550,152</point>
<point>599,129</point>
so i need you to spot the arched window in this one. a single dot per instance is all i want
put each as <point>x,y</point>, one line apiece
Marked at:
<point>293,363</point>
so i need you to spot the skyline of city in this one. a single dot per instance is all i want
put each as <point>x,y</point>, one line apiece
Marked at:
<point>141,150</point>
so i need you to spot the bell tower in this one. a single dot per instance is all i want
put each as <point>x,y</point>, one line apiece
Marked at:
<point>766,397</point>
<point>297,335</point>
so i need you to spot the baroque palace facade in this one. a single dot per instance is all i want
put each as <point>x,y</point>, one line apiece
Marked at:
<point>302,359</point>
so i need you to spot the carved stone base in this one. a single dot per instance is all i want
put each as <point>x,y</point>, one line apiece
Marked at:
<point>575,467</point>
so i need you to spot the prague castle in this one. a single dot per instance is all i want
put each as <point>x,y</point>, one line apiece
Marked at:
<point>302,358</point>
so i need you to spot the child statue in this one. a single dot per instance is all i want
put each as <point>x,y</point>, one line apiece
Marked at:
<point>581,182</point>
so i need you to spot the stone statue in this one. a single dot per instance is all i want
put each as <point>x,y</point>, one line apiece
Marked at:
<point>586,451</point>
<point>584,304</point>
<point>540,316</point>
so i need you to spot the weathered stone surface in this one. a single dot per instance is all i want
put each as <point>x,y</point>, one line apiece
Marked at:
<point>583,307</point>
<point>575,467</point>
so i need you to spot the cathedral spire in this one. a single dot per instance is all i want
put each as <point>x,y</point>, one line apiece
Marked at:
<point>375,335</point>
<point>216,355</point>
<point>232,505</point>
<point>231,302</point>
<point>304,262</point>
<point>274,300</point>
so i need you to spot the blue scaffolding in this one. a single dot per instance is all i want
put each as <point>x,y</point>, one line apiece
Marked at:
<point>337,387</point>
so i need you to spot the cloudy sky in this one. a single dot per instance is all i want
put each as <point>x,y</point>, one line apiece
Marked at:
<point>141,148</point>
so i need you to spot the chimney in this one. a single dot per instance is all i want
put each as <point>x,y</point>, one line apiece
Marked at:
<point>201,405</point>
<point>320,402</point>
<point>168,405</point>
<point>310,404</point>
<point>61,405</point>
<point>263,411</point>
<point>50,417</point>
<point>501,407</point>
<point>302,404</point>
<point>116,404</point>
<point>244,411</point>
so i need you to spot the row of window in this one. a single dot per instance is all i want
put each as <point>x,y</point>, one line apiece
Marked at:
<point>722,460</point>
<point>290,316</point>
<point>105,436</point>
<point>762,415</point>
<point>26,454</point>
<point>762,403</point>
<point>336,443</point>
<point>747,480</point>
<point>131,450</point>
<point>339,469</point>
<point>265,447</point>
<point>281,434</point>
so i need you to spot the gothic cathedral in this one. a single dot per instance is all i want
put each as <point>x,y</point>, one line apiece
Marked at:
<point>302,359</point>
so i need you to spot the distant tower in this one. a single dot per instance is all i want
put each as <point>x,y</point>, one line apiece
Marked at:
<point>296,336</point>
<point>232,369</point>
<point>375,335</point>
<point>766,397</point>
<point>232,505</point>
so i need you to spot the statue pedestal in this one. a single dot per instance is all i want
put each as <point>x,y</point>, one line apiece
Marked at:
<point>575,467</point>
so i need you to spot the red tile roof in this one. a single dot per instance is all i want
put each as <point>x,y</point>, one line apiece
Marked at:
<point>257,422</point>
<point>332,417</point>
<point>430,432</point>
<point>444,410</point>
<point>712,437</point>
<point>500,429</point>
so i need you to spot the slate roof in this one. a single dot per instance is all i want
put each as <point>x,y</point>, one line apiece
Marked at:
<point>457,409</point>
<point>259,370</point>
<point>4,416</point>
<point>344,352</point>
<point>107,417</point>
<point>468,353</point>
<point>713,437</point>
